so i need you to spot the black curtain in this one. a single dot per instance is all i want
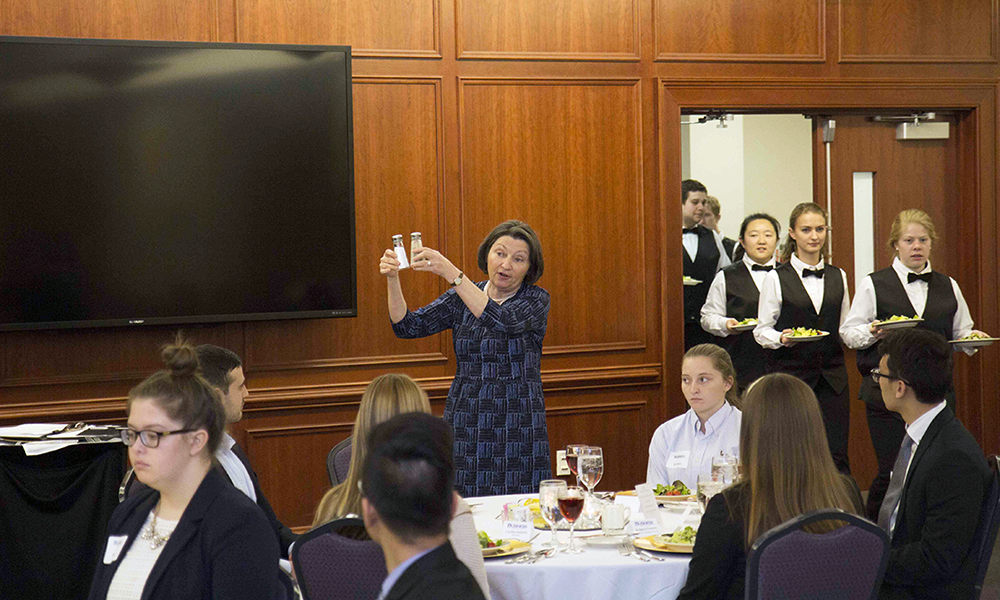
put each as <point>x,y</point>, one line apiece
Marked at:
<point>54,513</point>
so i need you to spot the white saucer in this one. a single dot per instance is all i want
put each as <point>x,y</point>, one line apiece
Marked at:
<point>603,540</point>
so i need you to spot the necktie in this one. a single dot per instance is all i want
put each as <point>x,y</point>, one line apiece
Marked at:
<point>892,495</point>
<point>925,277</point>
<point>761,267</point>
<point>818,273</point>
<point>691,229</point>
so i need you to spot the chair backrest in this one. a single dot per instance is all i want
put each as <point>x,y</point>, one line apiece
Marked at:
<point>844,564</point>
<point>338,462</point>
<point>986,534</point>
<point>332,564</point>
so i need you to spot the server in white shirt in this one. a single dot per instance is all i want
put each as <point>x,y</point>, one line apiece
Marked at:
<point>223,369</point>
<point>734,295</point>
<point>807,291</point>
<point>704,256</point>
<point>907,288</point>
<point>683,447</point>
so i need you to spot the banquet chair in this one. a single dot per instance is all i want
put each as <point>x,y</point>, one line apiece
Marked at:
<point>338,462</point>
<point>336,561</point>
<point>986,534</point>
<point>844,564</point>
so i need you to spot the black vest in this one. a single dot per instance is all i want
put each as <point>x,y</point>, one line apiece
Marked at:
<point>809,360</point>
<point>741,303</point>
<point>891,299</point>
<point>703,267</point>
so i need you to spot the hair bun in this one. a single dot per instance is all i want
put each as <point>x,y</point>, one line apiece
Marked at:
<point>181,358</point>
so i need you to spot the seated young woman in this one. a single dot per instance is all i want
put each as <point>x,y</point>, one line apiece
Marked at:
<point>190,533</point>
<point>787,471</point>
<point>683,447</point>
<point>384,398</point>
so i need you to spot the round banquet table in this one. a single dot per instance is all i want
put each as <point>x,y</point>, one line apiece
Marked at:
<point>599,572</point>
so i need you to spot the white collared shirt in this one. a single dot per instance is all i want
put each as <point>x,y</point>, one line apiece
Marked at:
<point>916,431</point>
<point>769,305</point>
<point>690,241</point>
<point>855,330</point>
<point>680,442</point>
<point>233,466</point>
<point>713,313</point>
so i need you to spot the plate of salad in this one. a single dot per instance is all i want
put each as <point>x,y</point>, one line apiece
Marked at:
<point>974,340</point>
<point>898,322</point>
<point>746,324</point>
<point>681,540</point>
<point>805,334</point>
<point>675,492</point>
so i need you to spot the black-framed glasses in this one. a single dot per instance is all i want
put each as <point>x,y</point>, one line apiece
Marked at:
<point>149,438</point>
<point>876,375</point>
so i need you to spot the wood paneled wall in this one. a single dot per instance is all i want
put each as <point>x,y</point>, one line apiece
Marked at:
<point>564,113</point>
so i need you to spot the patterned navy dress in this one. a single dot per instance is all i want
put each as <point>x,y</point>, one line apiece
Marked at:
<point>495,403</point>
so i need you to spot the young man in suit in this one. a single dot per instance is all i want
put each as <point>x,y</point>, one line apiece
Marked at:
<point>933,507</point>
<point>406,503</point>
<point>224,370</point>
<point>704,256</point>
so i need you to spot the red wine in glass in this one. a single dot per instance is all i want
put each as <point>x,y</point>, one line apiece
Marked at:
<point>571,507</point>
<point>571,462</point>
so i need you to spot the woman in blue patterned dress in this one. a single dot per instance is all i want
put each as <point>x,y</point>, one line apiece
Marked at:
<point>495,403</point>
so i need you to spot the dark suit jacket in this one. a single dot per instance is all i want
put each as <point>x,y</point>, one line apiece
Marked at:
<point>437,575</point>
<point>719,562</point>
<point>932,554</point>
<point>222,547</point>
<point>284,535</point>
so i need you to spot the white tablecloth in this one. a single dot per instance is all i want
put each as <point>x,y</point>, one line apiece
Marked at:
<point>600,572</point>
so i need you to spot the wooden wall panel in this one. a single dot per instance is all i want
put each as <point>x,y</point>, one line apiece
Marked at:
<point>398,150</point>
<point>546,152</point>
<point>189,20</point>
<point>399,28</point>
<point>551,29</point>
<point>740,30</point>
<point>917,30</point>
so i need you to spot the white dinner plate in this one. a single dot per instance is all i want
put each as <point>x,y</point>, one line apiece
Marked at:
<point>974,343</point>
<point>691,281</point>
<point>809,338</point>
<point>746,327</point>
<point>901,324</point>
<point>603,540</point>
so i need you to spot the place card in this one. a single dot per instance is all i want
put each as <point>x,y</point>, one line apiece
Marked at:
<point>644,527</point>
<point>648,505</point>
<point>518,530</point>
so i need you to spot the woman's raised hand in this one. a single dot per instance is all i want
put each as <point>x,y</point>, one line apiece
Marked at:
<point>389,264</point>
<point>429,259</point>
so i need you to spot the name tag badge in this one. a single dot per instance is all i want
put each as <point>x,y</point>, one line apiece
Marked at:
<point>518,530</point>
<point>114,549</point>
<point>679,460</point>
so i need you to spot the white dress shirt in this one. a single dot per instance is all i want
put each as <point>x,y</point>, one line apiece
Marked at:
<point>690,241</point>
<point>680,451</point>
<point>233,466</point>
<point>713,313</point>
<point>769,305</point>
<point>855,329</point>
<point>916,431</point>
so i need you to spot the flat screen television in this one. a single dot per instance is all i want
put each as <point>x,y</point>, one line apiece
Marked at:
<point>174,182</point>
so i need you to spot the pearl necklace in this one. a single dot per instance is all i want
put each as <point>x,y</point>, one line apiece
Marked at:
<point>149,533</point>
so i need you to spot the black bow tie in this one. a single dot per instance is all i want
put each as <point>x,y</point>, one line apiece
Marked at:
<point>691,229</point>
<point>925,277</point>
<point>763,268</point>
<point>810,273</point>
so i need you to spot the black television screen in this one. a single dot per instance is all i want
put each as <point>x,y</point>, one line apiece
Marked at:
<point>174,182</point>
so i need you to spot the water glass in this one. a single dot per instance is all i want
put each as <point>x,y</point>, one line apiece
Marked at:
<point>549,491</point>
<point>591,467</point>
<point>708,486</point>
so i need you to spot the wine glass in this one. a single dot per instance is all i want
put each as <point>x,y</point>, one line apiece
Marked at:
<point>708,486</point>
<point>571,505</point>
<point>572,452</point>
<point>590,465</point>
<point>548,503</point>
<point>725,467</point>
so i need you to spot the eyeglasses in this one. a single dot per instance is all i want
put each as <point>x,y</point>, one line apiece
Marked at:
<point>876,375</point>
<point>149,438</point>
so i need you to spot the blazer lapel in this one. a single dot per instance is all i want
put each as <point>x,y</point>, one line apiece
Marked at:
<point>945,417</point>
<point>186,528</point>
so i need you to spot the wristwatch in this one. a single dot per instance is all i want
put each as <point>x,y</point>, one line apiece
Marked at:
<point>458,280</point>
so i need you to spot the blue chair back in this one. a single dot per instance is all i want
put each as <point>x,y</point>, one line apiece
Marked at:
<point>338,462</point>
<point>845,564</point>
<point>332,563</point>
<point>986,535</point>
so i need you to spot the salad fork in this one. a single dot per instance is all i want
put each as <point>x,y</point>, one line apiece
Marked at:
<point>630,546</point>
<point>623,549</point>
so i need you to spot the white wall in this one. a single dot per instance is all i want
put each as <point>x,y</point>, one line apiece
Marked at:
<point>759,163</point>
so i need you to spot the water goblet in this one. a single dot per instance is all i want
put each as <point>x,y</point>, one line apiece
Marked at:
<point>549,491</point>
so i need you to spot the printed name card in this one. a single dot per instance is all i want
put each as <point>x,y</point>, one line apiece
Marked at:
<point>644,527</point>
<point>518,530</point>
<point>648,505</point>
<point>679,460</point>
<point>114,548</point>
